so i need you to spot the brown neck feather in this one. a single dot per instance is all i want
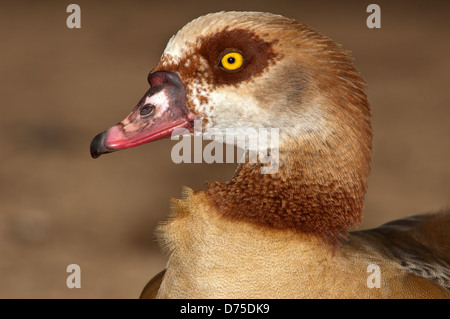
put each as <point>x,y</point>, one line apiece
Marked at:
<point>320,185</point>
<point>315,191</point>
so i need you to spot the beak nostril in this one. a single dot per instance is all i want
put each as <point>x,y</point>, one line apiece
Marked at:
<point>147,109</point>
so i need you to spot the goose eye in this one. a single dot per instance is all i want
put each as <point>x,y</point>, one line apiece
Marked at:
<point>146,110</point>
<point>231,61</point>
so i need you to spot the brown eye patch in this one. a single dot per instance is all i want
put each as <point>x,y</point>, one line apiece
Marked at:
<point>258,54</point>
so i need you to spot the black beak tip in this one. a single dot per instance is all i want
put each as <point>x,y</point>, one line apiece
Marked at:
<point>97,147</point>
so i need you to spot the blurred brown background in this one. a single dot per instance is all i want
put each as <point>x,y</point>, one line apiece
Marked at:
<point>60,87</point>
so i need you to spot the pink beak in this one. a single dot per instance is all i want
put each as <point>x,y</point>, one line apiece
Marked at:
<point>161,111</point>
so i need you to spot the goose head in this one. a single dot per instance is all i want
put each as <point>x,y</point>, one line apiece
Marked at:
<point>260,70</point>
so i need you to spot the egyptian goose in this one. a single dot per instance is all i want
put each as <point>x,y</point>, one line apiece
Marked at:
<point>283,234</point>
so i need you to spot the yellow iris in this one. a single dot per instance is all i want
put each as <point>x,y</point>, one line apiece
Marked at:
<point>232,61</point>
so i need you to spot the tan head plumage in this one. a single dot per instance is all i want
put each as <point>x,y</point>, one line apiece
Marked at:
<point>292,78</point>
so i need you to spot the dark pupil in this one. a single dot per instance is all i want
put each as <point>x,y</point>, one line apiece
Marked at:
<point>146,109</point>
<point>231,60</point>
